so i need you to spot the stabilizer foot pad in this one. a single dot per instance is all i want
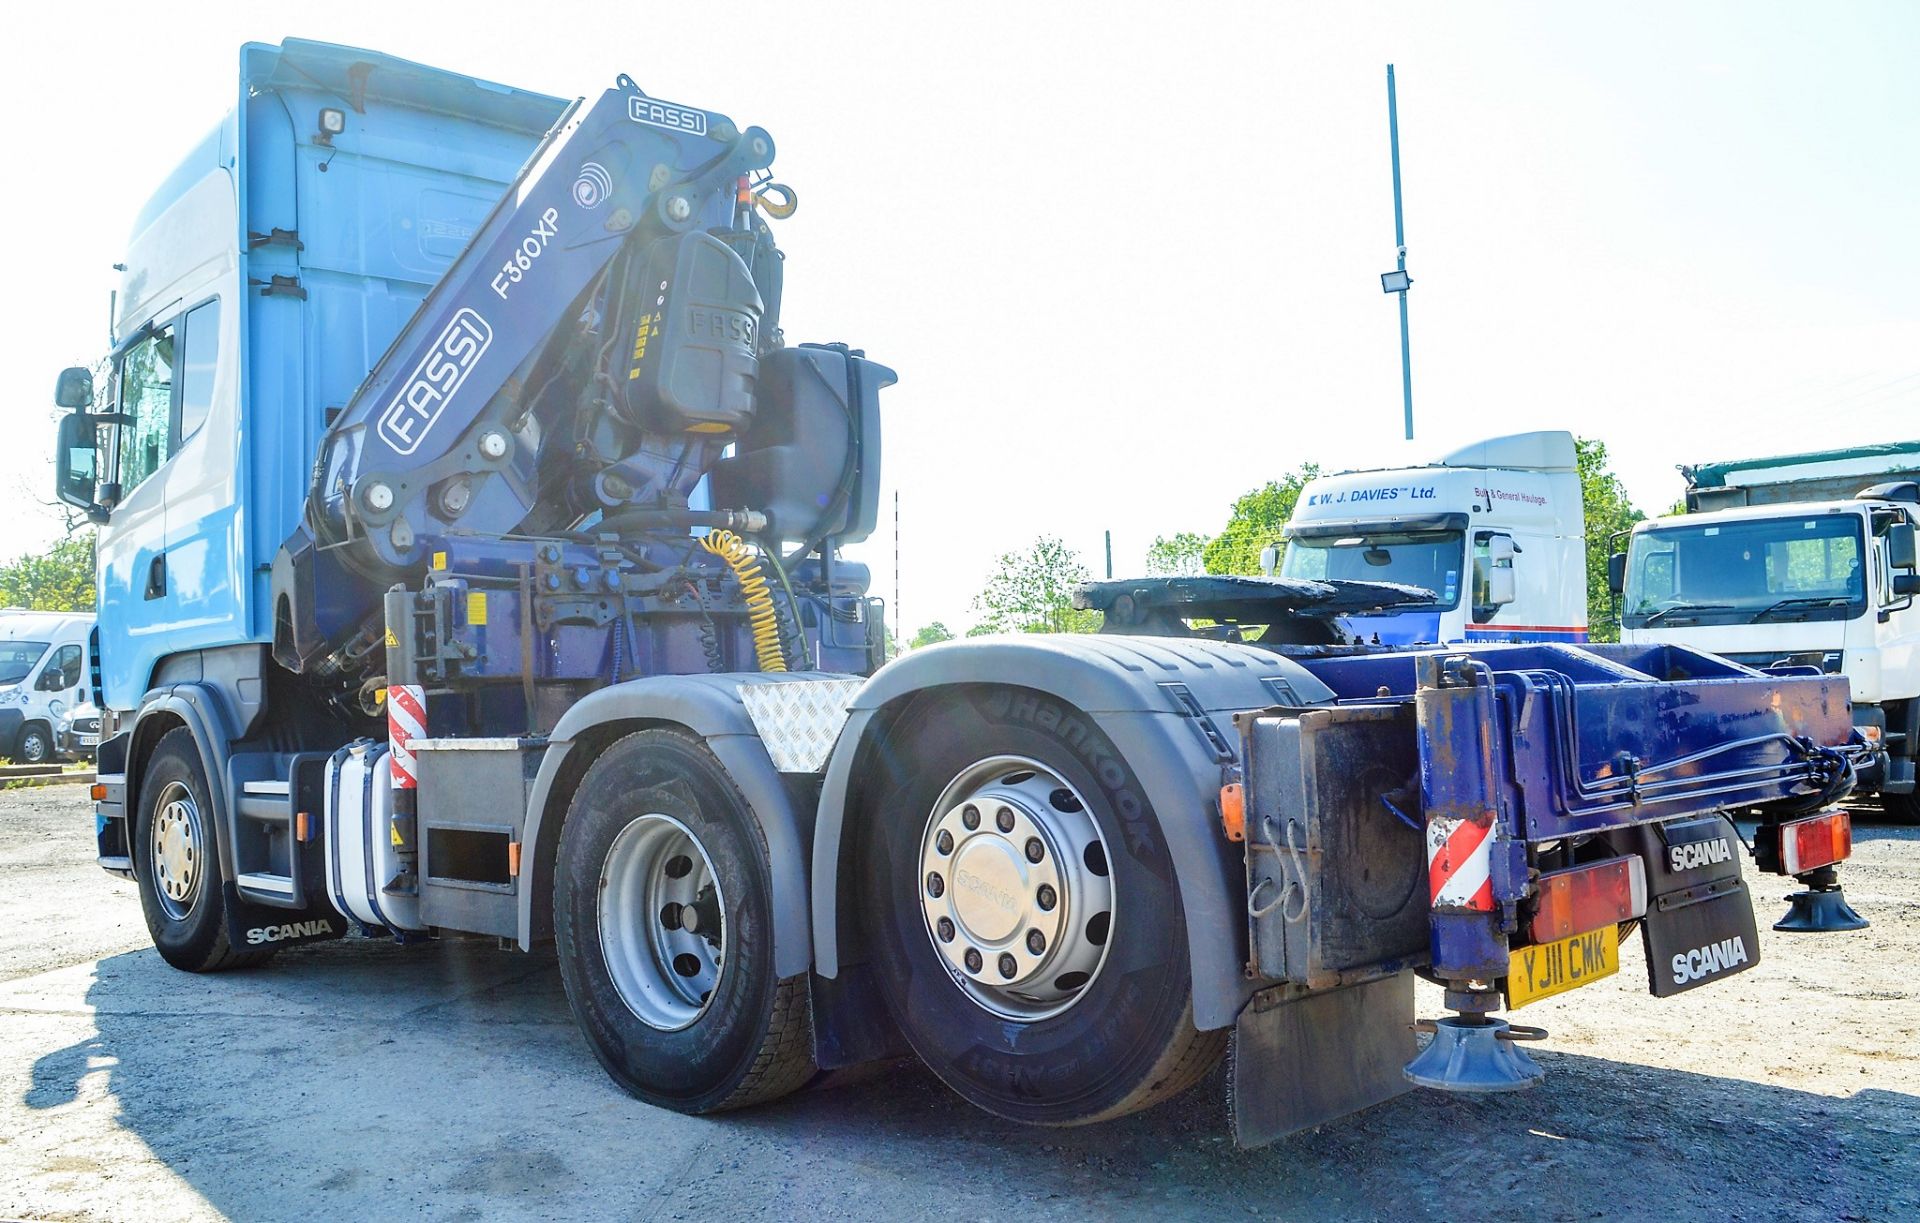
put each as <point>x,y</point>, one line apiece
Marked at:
<point>1820,912</point>
<point>1473,1057</point>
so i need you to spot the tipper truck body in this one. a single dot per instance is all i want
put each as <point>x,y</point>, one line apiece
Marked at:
<point>472,563</point>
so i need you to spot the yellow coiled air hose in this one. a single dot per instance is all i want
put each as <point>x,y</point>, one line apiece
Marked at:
<point>761,616</point>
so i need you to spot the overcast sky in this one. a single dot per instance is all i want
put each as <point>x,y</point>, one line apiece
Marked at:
<point>1125,257</point>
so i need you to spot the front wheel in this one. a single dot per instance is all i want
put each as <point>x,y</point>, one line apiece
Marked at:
<point>35,745</point>
<point>664,928</point>
<point>176,857</point>
<point>1021,903</point>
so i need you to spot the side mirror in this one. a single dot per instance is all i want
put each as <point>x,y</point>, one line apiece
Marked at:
<point>1617,573</point>
<point>1901,551</point>
<point>76,460</point>
<point>1500,586</point>
<point>1501,550</point>
<point>50,680</point>
<point>1906,584</point>
<point>74,389</point>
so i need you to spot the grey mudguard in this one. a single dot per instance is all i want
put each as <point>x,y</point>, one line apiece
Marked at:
<point>709,706</point>
<point>1123,683</point>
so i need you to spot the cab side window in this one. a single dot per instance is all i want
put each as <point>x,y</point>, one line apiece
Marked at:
<point>62,670</point>
<point>166,390</point>
<point>201,348</point>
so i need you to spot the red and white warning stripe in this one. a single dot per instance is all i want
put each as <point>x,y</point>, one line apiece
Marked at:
<point>1460,863</point>
<point>406,721</point>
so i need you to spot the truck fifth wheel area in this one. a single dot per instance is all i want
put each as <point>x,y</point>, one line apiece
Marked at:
<point>524,610</point>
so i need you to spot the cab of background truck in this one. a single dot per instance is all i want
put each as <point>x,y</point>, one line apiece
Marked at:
<point>1826,584</point>
<point>260,284</point>
<point>1496,530</point>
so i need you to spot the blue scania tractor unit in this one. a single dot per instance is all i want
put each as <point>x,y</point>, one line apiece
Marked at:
<point>474,559</point>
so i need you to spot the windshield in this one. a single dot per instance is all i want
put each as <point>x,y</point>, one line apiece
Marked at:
<point>1430,560</point>
<point>17,659</point>
<point>1745,572</point>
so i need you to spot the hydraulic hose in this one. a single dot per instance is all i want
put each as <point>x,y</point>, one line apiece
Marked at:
<point>762,617</point>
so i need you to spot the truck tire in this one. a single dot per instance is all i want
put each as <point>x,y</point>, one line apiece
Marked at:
<point>1020,902</point>
<point>35,745</point>
<point>665,931</point>
<point>1902,808</point>
<point>176,857</point>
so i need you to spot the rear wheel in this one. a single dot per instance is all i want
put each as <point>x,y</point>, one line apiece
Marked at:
<point>665,932</point>
<point>1021,903</point>
<point>1902,808</point>
<point>176,857</point>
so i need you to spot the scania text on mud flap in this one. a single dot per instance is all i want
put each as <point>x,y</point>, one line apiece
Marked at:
<point>535,619</point>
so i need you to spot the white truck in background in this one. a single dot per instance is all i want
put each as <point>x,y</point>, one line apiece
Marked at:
<point>1798,561</point>
<point>1496,530</point>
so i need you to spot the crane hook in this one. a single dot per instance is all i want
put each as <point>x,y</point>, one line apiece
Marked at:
<point>788,200</point>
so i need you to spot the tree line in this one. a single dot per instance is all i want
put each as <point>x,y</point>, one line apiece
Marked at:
<point>1031,591</point>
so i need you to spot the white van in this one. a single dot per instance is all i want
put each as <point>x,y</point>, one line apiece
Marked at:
<point>45,662</point>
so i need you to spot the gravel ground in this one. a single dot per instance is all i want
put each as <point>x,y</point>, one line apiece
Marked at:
<point>365,1080</point>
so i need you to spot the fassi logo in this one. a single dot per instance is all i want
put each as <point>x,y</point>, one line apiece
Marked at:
<point>425,394</point>
<point>667,115</point>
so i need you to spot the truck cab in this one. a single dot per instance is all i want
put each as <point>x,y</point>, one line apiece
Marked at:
<point>1496,531</point>
<point>254,299</point>
<point>1826,585</point>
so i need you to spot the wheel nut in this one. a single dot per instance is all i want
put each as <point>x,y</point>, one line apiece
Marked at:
<point>970,816</point>
<point>1008,966</point>
<point>945,929</point>
<point>973,959</point>
<point>1004,819</point>
<point>944,842</point>
<point>1035,850</point>
<point>1046,897</point>
<point>935,884</point>
<point>1036,942</point>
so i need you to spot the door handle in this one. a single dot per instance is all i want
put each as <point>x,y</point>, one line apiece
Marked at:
<point>157,576</point>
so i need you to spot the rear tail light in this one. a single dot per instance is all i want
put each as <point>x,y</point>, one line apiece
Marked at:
<point>1817,841</point>
<point>1584,898</point>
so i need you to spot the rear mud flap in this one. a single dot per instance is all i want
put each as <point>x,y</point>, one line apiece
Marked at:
<point>1694,939</point>
<point>1699,925</point>
<point>1301,1063</point>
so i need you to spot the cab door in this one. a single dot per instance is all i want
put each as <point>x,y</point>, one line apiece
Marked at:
<point>132,544</point>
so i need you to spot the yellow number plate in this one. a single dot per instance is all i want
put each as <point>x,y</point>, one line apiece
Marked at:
<point>1554,968</point>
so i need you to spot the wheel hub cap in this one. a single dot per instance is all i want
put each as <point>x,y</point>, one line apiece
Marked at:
<point>176,851</point>
<point>662,922</point>
<point>1014,888</point>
